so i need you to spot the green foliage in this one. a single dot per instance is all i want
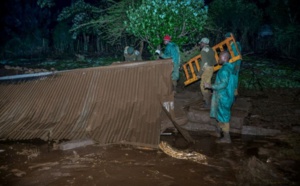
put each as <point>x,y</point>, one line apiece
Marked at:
<point>283,12</point>
<point>262,74</point>
<point>71,64</point>
<point>14,47</point>
<point>181,19</point>
<point>66,64</point>
<point>286,39</point>
<point>81,14</point>
<point>45,3</point>
<point>112,23</point>
<point>28,45</point>
<point>61,37</point>
<point>187,55</point>
<point>237,16</point>
<point>284,15</point>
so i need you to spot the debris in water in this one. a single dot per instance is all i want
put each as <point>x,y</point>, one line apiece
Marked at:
<point>194,156</point>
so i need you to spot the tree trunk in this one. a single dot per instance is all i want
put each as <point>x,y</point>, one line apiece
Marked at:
<point>244,40</point>
<point>141,47</point>
<point>78,45</point>
<point>98,44</point>
<point>86,39</point>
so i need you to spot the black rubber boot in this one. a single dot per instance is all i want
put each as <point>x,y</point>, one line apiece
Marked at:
<point>174,83</point>
<point>218,131</point>
<point>206,105</point>
<point>226,138</point>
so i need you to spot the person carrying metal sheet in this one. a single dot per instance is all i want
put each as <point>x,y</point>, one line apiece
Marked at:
<point>207,63</point>
<point>223,97</point>
<point>131,55</point>
<point>171,51</point>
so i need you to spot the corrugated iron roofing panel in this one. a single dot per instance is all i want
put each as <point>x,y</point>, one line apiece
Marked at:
<point>112,104</point>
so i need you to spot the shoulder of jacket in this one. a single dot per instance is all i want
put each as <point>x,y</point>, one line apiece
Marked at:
<point>172,44</point>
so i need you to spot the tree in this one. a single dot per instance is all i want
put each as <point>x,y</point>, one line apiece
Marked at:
<point>27,28</point>
<point>285,21</point>
<point>240,17</point>
<point>104,20</point>
<point>62,38</point>
<point>45,3</point>
<point>181,19</point>
<point>81,14</point>
<point>113,21</point>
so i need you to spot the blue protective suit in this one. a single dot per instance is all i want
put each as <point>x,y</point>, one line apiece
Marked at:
<point>223,94</point>
<point>172,51</point>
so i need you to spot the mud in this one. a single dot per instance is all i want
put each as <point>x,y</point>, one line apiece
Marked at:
<point>249,160</point>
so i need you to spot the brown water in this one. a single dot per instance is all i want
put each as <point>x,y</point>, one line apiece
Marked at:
<point>248,160</point>
<point>127,165</point>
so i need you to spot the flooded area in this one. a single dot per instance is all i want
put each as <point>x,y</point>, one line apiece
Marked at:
<point>39,163</point>
<point>248,160</point>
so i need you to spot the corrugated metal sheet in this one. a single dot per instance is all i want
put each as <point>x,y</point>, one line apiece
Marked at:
<point>112,104</point>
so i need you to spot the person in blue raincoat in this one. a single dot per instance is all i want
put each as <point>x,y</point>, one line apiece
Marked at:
<point>237,64</point>
<point>223,97</point>
<point>171,51</point>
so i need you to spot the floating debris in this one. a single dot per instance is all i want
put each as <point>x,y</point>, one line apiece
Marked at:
<point>193,156</point>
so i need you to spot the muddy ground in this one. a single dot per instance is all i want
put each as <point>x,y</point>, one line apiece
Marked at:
<point>249,160</point>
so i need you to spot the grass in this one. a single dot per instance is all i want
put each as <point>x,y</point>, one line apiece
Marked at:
<point>60,64</point>
<point>262,73</point>
<point>256,73</point>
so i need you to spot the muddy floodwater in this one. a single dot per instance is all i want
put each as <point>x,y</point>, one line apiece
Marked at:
<point>39,163</point>
<point>249,160</point>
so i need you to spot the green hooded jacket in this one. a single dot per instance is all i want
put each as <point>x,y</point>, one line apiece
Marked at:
<point>172,51</point>
<point>223,94</point>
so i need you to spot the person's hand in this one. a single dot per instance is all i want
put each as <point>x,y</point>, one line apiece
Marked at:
<point>207,85</point>
<point>157,51</point>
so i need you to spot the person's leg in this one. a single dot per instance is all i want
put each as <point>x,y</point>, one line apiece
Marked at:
<point>226,136</point>
<point>202,87</point>
<point>175,76</point>
<point>217,132</point>
<point>206,93</point>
